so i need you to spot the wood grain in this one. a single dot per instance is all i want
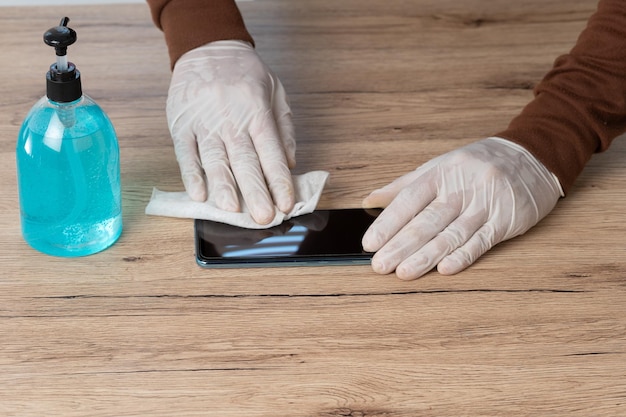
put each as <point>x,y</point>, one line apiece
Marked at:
<point>537,327</point>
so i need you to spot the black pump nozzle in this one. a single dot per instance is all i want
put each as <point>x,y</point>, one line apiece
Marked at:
<point>63,78</point>
<point>60,37</point>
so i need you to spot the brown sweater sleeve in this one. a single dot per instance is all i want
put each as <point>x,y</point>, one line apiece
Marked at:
<point>188,24</point>
<point>580,105</point>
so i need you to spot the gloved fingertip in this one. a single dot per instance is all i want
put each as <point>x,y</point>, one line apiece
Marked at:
<point>291,155</point>
<point>406,274</point>
<point>366,246</point>
<point>370,242</point>
<point>379,266</point>
<point>197,193</point>
<point>285,206</point>
<point>376,199</point>
<point>413,268</point>
<point>367,203</point>
<point>263,215</point>
<point>370,202</point>
<point>284,194</point>
<point>198,196</point>
<point>450,266</point>
<point>196,188</point>
<point>291,160</point>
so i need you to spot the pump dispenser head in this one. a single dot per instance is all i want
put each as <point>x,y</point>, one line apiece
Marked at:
<point>63,79</point>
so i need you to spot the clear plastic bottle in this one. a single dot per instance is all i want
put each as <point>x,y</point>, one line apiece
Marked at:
<point>68,166</point>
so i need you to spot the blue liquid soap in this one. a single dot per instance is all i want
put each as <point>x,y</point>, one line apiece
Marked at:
<point>68,170</point>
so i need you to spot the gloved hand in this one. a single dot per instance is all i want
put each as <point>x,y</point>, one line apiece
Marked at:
<point>231,125</point>
<point>453,209</point>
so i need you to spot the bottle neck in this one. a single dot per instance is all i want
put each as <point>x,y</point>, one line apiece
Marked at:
<point>74,103</point>
<point>63,86</point>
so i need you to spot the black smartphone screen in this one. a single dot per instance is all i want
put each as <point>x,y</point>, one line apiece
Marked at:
<point>322,237</point>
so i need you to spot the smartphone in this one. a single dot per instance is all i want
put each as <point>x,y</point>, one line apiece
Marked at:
<point>324,237</point>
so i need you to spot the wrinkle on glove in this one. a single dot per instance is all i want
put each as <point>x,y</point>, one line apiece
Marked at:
<point>308,189</point>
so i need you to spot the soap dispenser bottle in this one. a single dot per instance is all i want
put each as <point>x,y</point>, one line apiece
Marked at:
<point>68,168</point>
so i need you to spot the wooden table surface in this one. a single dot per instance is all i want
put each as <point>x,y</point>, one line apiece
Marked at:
<point>536,327</point>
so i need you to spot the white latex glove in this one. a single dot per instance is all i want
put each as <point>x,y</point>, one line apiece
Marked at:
<point>453,209</point>
<point>231,125</point>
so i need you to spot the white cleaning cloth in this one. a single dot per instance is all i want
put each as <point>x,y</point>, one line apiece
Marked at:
<point>308,188</point>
